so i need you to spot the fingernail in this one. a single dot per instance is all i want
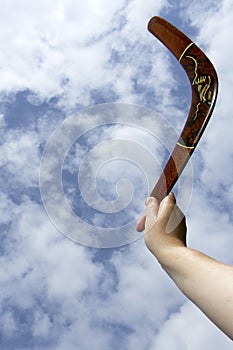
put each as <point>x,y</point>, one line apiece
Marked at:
<point>149,200</point>
<point>171,195</point>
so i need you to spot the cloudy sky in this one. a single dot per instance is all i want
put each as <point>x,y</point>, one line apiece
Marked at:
<point>91,104</point>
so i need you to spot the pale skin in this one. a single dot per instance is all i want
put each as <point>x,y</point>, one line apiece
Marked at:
<point>207,282</point>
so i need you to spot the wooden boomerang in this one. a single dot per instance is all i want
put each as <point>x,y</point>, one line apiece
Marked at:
<point>204,84</point>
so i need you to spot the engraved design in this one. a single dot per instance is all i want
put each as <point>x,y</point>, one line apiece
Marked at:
<point>184,146</point>
<point>196,112</point>
<point>202,84</point>
<point>197,67</point>
<point>198,81</point>
<point>185,50</point>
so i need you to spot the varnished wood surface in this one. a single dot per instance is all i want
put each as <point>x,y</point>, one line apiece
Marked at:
<point>204,84</point>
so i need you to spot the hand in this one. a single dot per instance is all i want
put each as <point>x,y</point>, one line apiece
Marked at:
<point>165,227</point>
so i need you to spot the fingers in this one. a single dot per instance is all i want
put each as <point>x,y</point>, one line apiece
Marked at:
<point>164,225</point>
<point>150,215</point>
<point>141,224</point>
<point>154,210</point>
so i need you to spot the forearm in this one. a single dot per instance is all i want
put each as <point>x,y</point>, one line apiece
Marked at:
<point>205,281</point>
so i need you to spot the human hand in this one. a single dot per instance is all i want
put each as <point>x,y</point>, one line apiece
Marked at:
<point>165,227</point>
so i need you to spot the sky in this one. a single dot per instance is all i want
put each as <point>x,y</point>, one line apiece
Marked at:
<point>91,105</point>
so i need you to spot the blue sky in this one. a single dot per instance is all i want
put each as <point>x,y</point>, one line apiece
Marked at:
<point>64,60</point>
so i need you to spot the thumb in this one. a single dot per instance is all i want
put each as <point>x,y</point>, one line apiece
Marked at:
<point>169,215</point>
<point>166,208</point>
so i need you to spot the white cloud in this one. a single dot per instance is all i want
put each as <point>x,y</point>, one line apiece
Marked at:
<point>189,329</point>
<point>20,156</point>
<point>65,49</point>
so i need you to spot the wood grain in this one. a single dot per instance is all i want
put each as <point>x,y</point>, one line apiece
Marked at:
<point>204,84</point>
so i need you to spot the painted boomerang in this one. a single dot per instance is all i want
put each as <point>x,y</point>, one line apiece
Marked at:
<point>204,84</point>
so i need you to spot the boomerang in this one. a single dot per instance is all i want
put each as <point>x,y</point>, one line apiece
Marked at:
<point>204,84</point>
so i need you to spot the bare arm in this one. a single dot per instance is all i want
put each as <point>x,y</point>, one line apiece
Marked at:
<point>206,282</point>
